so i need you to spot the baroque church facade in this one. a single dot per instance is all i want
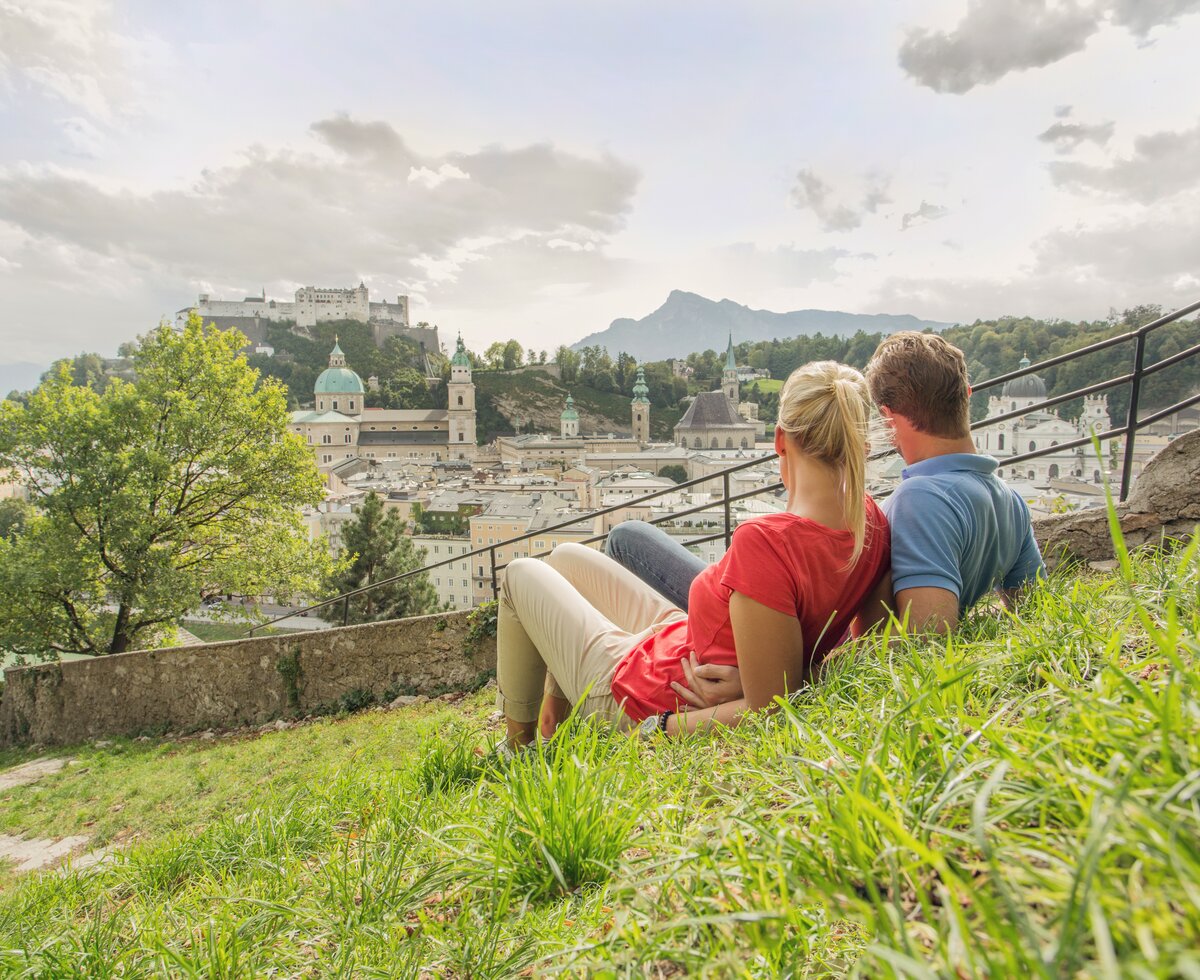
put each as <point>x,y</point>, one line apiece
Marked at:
<point>1041,429</point>
<point>341,427</point>
<point>715,420</point>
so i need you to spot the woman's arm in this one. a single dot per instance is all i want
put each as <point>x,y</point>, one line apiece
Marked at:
<point>876,608</point>
<point>771,659</point>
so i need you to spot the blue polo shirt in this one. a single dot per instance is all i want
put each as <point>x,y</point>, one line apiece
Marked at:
<point>957,526</point>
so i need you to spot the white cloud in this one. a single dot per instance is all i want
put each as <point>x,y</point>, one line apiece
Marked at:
<point>72,52</point>
<point>926,212</point>
<point>1066,137</point>
<point>1162,164</point>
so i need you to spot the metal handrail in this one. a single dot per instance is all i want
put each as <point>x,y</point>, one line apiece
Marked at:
<point>1128,430</point>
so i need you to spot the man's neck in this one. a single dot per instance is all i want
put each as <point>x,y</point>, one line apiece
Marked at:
<point>927,447</point>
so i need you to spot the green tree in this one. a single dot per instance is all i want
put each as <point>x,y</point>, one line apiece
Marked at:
<point>568,363</point>
<point>673,471</point>
<point>375,548</point>
<point>514,355</point>
<point>151,495</point>
<point>14,515</point>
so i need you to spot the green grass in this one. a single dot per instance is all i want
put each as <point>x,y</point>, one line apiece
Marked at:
<point>1020,801</point>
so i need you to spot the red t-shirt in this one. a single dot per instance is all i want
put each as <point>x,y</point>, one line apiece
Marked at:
<point>788,563</point>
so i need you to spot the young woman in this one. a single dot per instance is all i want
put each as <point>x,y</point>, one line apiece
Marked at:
<point>579,626</point>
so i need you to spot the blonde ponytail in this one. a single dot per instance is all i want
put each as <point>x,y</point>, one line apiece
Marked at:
<point>825,408</point>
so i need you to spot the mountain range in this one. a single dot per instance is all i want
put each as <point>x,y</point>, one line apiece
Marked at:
<point>687,322</point>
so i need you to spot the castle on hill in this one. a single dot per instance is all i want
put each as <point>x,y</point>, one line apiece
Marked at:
<point>313,305</point>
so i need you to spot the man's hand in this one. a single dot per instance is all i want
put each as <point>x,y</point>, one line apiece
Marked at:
<point>707,684</point>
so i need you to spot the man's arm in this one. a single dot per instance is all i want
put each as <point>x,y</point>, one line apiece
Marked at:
<point>926,609</point>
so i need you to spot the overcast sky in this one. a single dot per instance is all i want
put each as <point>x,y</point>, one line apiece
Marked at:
<point>535,169</point>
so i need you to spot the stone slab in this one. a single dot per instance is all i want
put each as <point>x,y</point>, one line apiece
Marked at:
<point>37,852</point>
<point>30,772</point>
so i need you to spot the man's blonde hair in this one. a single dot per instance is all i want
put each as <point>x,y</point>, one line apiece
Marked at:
<point>824,407</point>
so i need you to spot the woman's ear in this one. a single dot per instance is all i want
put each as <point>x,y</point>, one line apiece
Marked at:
<point>780,441</point>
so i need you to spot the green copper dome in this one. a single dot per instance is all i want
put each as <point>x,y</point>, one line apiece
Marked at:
<point>338,381</point>
<point>569,414</point>
<point>460,358</point>
<point>641,393</point>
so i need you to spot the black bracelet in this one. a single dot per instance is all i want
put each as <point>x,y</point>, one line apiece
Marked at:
<point>662,721</point>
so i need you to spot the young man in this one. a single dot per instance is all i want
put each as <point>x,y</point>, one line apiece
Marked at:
<point>958,531</point>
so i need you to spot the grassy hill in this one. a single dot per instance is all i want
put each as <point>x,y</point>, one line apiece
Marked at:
<point>1020,800</point>
<point>536,399</point>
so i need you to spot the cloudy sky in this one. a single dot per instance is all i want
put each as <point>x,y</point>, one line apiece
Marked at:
<point>534,169</point>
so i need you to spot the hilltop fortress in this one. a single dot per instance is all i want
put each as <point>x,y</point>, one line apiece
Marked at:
<point>313,305</point>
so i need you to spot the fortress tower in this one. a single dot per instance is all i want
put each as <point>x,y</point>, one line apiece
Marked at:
<point>461,394</point>
<point>639,409</point>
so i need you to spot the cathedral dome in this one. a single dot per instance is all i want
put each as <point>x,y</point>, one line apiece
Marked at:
<point>337,379</point>
<point>1030,386</point>
<point>569,414</point>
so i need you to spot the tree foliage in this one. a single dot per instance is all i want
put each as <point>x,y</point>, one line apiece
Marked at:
<point>673,471</point>
<point>375,548</point>
<point>150,496</point>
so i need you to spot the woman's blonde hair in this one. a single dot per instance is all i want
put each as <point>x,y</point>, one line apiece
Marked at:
<point>825,408</point>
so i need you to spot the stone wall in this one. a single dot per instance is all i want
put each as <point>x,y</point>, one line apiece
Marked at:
<point>242,682</point>
<point>1163,503</point>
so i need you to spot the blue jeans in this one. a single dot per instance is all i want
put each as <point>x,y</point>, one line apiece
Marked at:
<point>656,558</point>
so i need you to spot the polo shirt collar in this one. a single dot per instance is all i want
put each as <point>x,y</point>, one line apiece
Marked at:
<point>951,463</point>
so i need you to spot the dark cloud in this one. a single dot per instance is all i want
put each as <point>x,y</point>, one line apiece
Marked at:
<point>1065,137</point>
<point>1139,16</point>
<point>926,212</point>
<point>812,193</point>
<point>1162,164</point>
<point>996,37</point>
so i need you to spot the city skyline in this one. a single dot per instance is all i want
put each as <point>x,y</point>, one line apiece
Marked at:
<point>539,172</point>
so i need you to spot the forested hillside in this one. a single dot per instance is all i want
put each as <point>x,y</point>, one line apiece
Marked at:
<point>994,347</point>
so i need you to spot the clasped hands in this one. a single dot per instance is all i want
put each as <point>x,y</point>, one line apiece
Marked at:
<point>707,684</point>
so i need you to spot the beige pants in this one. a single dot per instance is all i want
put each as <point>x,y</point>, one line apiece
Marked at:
<point>565,624</point>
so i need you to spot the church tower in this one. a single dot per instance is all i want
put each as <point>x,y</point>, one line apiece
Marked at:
<point>639,409</point>
<point>1095,415</point>
<point>461,394</point>
<point>729,378</point>
<point>568,422</point>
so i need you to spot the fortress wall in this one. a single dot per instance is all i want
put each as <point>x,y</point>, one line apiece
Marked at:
<point>242,682</point>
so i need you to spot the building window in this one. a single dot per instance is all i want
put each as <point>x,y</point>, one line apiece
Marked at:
<point>352,404</point>
<point>1032,446</point>
<point>347,436</point>
<point>1053,471</point>
<point>460,437</point>
<point>335,405</point>
<point>460,401</point>
<point>1000,440</point>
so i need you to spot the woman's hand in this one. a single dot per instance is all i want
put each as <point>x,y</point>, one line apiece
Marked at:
<point>707,684</point>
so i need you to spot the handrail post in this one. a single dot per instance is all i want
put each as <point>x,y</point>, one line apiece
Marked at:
<point>346,611</point>
<point>728,529</point>
<point>495,584</point>
<point>1135,391</point>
